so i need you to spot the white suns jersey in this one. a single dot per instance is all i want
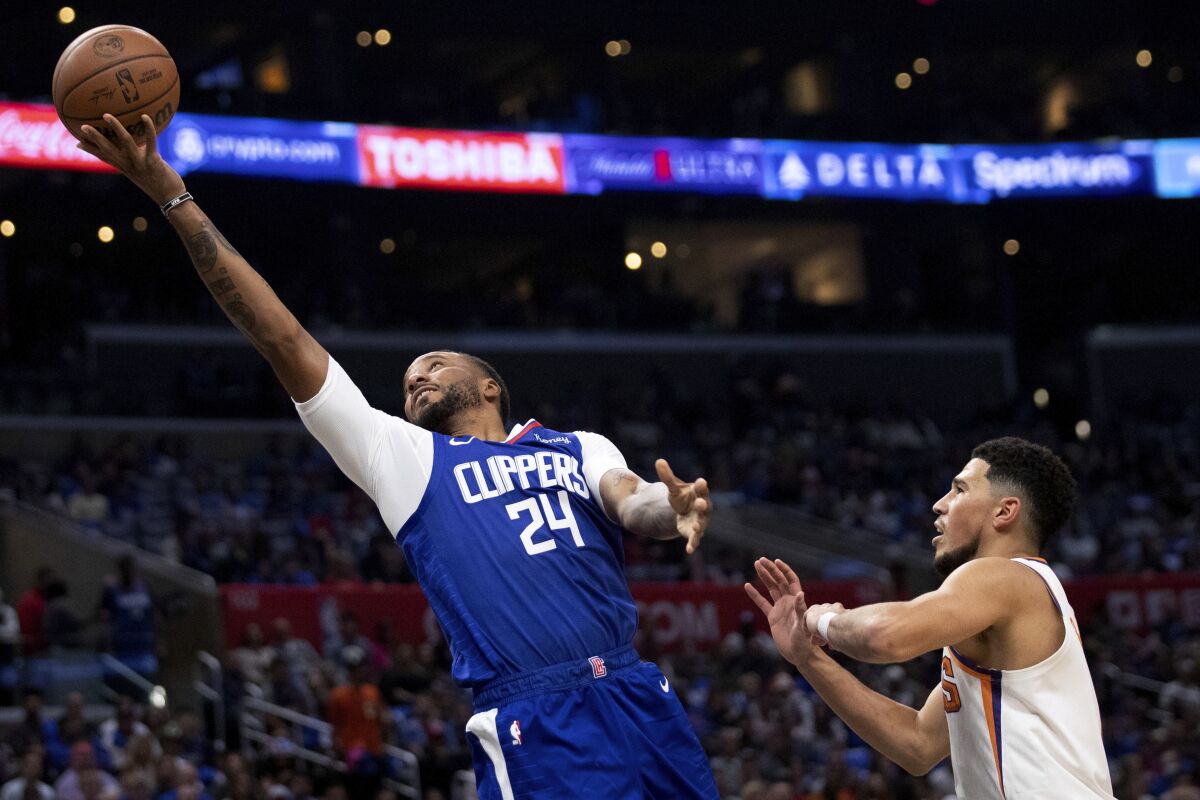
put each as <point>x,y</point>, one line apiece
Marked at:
<point>1027,734</point>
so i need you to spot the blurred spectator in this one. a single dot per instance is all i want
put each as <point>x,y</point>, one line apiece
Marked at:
<point>84,780</point>
<point>29,785</point>
<point>33,730</point>
<point>299,654</point>
<point>10,636</point>
<point>69,730</point>
<point>10,644</point>
<point>255,655</point>
<point>61,627</point>
<point>358,716</point>
<point>31,612</point>
<point>88,505</point>
<point>117,733</point>
<point>127,613</point>
<point>347,635</point>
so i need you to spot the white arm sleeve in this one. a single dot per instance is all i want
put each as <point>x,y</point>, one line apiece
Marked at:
<point>599,456</point>
<point>389,459</point>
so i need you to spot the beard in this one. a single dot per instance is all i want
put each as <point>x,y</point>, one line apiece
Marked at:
<point>456,397</point>
<point>951,560</point>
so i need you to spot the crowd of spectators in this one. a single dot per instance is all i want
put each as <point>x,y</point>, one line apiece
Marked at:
<point>287,516</point>
<point>768,736</point>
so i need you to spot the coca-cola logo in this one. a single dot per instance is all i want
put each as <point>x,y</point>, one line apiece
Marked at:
<point>108,46</point>
<point>25,139</point>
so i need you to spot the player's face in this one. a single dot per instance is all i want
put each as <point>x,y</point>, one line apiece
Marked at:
<point>437,386</point>
<point>962,513</point>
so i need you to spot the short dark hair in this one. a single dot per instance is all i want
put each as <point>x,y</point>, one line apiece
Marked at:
<point>490,371</point>
<point>1038,475</point>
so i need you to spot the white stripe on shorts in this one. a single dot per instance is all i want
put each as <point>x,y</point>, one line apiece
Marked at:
<point>483,725</point>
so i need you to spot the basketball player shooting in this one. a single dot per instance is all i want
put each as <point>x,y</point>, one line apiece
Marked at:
<point>1015,709</point>
<point>514,536</point>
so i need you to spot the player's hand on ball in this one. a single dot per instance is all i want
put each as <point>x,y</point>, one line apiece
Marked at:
<point>785,610</point>
<point>142,164</point>
<point>813,616</point>
<point>689,501</point>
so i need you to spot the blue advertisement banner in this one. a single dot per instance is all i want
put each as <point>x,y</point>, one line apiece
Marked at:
<point>795,170</point>
<point>310,151</point>
<point>596,164</point>
<point>1177,167</point>
<point>1069,169</point>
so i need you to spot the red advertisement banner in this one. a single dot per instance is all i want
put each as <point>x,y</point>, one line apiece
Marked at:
<point>683,615</point>
<point>504,162</point>
<point>33,136</point>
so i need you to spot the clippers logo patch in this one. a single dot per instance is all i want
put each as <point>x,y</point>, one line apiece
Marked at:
<point>598,668</point>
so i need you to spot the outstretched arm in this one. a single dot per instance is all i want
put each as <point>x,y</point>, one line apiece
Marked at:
<point>298,360</point>
<point>668,509</point>
<point>976,596</point>
<point>916,740</point>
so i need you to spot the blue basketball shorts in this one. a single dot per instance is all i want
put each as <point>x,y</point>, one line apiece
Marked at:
<point>606,727</point>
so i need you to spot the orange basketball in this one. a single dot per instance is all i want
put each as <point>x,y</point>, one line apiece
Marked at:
<point>118,70</point>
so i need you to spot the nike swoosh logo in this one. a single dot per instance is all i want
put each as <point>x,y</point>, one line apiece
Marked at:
<point>664,685</point>
<point>456,442</point>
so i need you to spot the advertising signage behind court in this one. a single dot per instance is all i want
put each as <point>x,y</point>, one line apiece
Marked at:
<point>315,151</point>
<point>596,164</point>
<point>31,136</point>
<point>499,162</point>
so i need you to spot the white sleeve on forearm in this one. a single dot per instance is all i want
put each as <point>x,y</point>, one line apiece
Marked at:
<point>388,458</point>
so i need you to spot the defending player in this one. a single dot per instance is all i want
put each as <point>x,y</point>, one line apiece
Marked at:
<point>514,536</point>
<point>1015,710</point>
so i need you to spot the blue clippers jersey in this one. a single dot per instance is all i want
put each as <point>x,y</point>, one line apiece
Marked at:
<point>519,562</point>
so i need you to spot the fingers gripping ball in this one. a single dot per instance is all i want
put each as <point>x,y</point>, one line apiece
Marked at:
<point>118,70</point>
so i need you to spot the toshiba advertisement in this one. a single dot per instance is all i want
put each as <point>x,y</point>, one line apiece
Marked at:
<point>431,159</point>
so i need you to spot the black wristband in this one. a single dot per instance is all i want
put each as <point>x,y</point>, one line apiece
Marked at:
<point>167,206</point>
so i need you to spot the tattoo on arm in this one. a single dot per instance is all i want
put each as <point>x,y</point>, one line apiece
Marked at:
<point>242,316</point>
<point>202,247</point>
<point>221,285</point>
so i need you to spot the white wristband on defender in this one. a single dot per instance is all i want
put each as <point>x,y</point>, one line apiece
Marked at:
<point>823,624</point>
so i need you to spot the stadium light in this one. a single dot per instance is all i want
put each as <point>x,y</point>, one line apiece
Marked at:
<point>7,228</point>
<point>66,15</point>
<point>633,261</point>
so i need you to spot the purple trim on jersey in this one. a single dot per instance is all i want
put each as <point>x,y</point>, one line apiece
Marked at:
<point>533,423</point>
<point>994,674</point>
<point>1053,599</point>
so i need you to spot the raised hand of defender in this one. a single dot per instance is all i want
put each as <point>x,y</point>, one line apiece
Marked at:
<point>689,501</point>
<point>142,164</point>
<point>785,610</point>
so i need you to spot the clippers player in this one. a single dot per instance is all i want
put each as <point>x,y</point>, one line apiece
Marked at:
<point>514,536</point>
<point>1015,709</point>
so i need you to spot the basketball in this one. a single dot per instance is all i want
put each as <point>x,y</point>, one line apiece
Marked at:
<point>118,70</point>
